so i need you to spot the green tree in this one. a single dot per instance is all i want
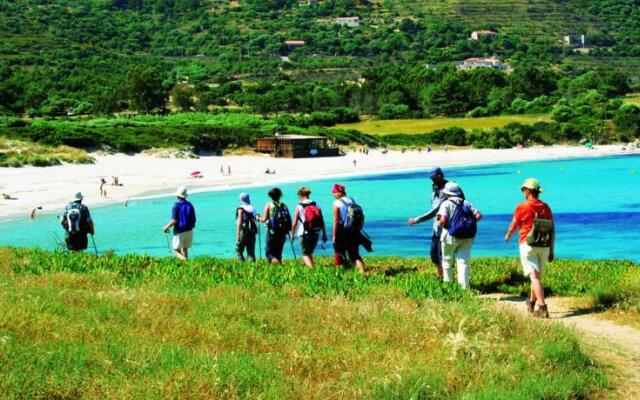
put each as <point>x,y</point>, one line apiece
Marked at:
<point>144,89</point>
<point>627,120</point>
<point>182,96</point>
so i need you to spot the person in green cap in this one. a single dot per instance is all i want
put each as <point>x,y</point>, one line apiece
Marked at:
<point>536,241</point>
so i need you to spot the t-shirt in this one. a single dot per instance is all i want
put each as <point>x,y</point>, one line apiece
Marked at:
<point>447,208</point>
<point>300,210</point>
<point>185,216</point>
<point>343,205</point>
<point>525,214</point>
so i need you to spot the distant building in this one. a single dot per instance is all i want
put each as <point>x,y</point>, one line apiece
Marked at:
<point>307,3</point>
<point>297,146</point>
<point>294,44</point>
<point>482,34</point>
<point>431,66</point>
<point>575,40</point>
<point>478,62</point>
<point>351,22</point>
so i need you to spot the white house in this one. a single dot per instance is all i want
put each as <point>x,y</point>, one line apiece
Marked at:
<point>477,35</point>
<point>479,62</point>
<point>351,22</point>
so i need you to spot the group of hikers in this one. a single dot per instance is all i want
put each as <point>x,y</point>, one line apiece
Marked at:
<point>454,228</point>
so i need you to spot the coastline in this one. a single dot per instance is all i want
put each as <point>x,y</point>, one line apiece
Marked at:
<point>146,176</point>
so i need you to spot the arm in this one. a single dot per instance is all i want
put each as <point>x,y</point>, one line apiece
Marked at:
<point>511,230</point>
<point>324,228</point>
<point>552,255</point>
<point>239,217</point>
<point>169,225</point>
<point>478,216</point>
<point>265,215</point>
<point>427,216</point>
<point>442,221</point>
<point>336,221</point>
<point>294,224</point>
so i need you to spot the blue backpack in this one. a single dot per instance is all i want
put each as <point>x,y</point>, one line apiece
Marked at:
<point>463,224</point>
<point>186,217</point>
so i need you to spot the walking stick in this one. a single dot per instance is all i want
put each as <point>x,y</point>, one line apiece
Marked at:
<point>293,249</point>
<point>259,242</point>
<point>166,236</point>
<point>94,244</point>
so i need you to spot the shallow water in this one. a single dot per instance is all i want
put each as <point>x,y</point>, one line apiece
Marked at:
<point>596,203</point>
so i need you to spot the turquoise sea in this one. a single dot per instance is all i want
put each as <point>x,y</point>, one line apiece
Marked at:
<point>596,203</point>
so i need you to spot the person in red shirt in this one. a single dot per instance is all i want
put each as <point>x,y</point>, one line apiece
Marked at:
<point>534,252</point>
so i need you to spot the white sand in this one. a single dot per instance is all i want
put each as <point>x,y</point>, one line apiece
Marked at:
<point>51,187</point>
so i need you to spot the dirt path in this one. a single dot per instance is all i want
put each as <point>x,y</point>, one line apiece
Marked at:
<point>615,346</point>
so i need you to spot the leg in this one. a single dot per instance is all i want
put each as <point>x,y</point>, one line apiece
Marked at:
<point>179,254</point>
<point>251,247</point>
<point>353,251</point>
<point>463,256</point>
<point>436,254</point>
<point>240,245</point>
<point>536,288</point>
<point>339,250</point>
<point>448,257</point>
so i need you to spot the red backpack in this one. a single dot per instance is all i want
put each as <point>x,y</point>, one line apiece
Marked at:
<point>312,217</point>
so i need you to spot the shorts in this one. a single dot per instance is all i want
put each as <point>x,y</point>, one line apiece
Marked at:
<point>77,241</point>
<point>346,248</point>
<point>274,244</point>
<point>533,258</point>
<point>308,243</point>
<point>182,240</point>
<point>436,250</point>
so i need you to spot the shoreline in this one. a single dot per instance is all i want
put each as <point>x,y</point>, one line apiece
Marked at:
<point>146,177</point>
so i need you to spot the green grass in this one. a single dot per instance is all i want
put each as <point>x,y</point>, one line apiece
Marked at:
<point>17,153</point>
<point>141,327</point>
<point>633,99</point>
<point>411,126</point>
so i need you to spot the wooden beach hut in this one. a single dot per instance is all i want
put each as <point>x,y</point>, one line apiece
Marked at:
<point>297,146</point>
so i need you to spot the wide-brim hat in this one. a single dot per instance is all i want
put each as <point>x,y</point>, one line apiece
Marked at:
<point>531,183</point>
<point>182,192</point>
<point>452,189</point>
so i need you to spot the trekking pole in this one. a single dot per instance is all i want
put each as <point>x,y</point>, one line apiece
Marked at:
<point>166,236</point>
<point>293,249</point>
<point>94,244</point>
<point>259,242</point>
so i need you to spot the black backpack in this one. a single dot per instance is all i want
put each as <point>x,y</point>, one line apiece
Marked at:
<point>75,218</point>
<point>249,225</point>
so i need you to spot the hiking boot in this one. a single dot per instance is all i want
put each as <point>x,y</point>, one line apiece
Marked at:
<point>531,305</point>
<point>541,312</point>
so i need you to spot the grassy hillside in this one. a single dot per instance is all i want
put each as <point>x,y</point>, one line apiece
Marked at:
<point>379,127</point>
<point>144,327</point>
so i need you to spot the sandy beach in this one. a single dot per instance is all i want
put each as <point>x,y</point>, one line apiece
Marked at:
<point>144,175</point>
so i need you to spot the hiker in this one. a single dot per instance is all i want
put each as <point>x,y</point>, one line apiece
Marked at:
<point>458,220</point>
<point>308,222</point>
<point>348,220</point>
<point>536,241</point>
<point>437,197</point>
<point>246,229</point>
<point>77,223</point>
<point>183,220</point>
<point>278,219</point>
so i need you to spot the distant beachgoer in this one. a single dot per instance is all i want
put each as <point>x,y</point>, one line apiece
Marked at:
<point>457,218</point>
<point>183,221</point>
<point>437,197</point>
<point>77,223</point>
<point>446,148</point>
<point>7,196</point>
<point>536,241</point>
<point>222,170</point>
<point>347,224</point>
<point>308,222</point>
<point>32,214</point>
<point>229,169</point>
<point>246,229</point>
<point>126,203</point>
<point>429,149</point>
<point>278,219</point>
<point>355,163</point>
